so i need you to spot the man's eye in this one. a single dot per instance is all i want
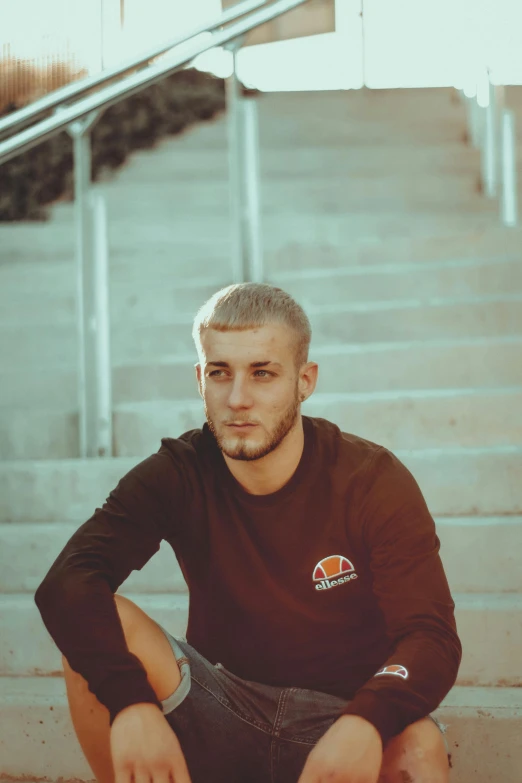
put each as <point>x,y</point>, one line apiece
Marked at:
<point>266,373</point>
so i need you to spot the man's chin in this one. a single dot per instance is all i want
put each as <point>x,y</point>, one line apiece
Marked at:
<point>241,456</point>
<point>241,451</point>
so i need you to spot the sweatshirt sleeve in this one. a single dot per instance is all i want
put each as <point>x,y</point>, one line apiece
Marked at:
<point>76,598</point>
<point>413,593</point>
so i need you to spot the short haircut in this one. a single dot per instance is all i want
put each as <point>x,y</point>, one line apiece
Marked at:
<point>245,306</point>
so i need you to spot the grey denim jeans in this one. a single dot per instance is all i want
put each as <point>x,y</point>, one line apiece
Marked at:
<point>236,731</point>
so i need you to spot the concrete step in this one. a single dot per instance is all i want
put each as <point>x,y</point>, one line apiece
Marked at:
<point>157,331</point>
<point>136,295</point>
<point>455,482</point>
<point>449,161</point>
<point>283,228</point>
<point>290,242</point>
<point>29,433</point>
<point>38,741</point>
<point>306,131</point>
<point>479,554</point>
<point>321,196</point>
<point>404,420</point>
<point>436,364</point>
<point>398,106</point>
<point>484,363</point>
<point>345,117</point>
<point>490,628</point>
<point>309,125</point>
<point>33,291</point>
<point>381,282</point>
<point>392,219</point>
<point>441,419</point>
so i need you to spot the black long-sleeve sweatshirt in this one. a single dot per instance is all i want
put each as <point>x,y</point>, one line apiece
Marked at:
<point>334,582</point>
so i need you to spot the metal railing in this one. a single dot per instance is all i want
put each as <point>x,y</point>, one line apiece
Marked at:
<point>77,118</point>
<point>64,115</point>
<point>23,117</point>
<point>491,130</point>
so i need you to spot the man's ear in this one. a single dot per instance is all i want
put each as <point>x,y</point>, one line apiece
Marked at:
<point>308,380</point>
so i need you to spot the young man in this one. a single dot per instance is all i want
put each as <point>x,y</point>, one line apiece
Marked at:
<point>321,630</point>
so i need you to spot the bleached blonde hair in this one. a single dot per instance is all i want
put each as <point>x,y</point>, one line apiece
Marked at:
<point>245,306</point>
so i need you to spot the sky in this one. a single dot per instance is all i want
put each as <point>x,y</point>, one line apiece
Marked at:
<point>407,43</point>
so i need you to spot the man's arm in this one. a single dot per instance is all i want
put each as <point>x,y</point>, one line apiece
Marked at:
<point>76,598</point>
<point>413,593</point>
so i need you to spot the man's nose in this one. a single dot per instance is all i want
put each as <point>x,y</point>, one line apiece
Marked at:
<point>239,396</point>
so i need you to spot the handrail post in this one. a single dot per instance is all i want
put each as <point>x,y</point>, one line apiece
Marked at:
<point>473,116</point>
<point>500,104</point>
<point>102,445</point>
<point>243,149</point>
<point>251,174</point>
<point>94,403</point>
<point>491,97</point>
<point>233,98</point>
<point>509,205</point>
<point>490,144</point>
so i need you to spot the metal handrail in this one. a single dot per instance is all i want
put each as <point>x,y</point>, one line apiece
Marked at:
<point>22,117</point>
<point>491,130</point>
<point>78,119</point>
<point>65,115</point>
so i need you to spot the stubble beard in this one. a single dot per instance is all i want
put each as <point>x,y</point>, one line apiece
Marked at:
<point>247,452</point>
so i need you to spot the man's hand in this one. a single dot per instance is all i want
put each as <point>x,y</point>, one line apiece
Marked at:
<point>350,752</point>
<point>144,748</point>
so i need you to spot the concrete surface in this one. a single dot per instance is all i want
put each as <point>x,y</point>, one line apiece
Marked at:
<point>407,420</point>
<point>39,741</point>
<point>370,212</point>
<point>455,482</point>
<point>366,322</point>
<point>489,626</point>
<point>480,555</point>
<point>138,294</point>
<point>482,363</point>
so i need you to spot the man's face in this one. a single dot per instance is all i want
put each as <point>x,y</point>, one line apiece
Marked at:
<point>249,409</point>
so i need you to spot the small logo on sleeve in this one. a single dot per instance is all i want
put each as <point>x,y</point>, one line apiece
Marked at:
<point>398,671</point>
<point>332,571</point>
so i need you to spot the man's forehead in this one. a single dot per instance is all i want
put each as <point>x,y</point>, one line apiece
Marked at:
<point>270,335</point>
<point>258,346</point>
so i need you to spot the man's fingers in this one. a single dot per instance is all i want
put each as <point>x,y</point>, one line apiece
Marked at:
<point>165,776</point>
<point>180,773</point>
<point>141,775</point>
<point>122,774</point>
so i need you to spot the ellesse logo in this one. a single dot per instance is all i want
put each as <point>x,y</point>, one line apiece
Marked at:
<point>399,671</point>
<point>332,571</point>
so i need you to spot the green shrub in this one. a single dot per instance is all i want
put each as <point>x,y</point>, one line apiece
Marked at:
<point>44,174</point>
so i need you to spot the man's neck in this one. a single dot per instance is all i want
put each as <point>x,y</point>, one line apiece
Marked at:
<point>267,475</point>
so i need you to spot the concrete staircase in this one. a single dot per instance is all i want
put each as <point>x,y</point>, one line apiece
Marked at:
<point>372,220</point>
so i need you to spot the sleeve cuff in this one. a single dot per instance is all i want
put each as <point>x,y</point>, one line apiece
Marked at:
<point>384,716</point>
<point>126,688</point>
